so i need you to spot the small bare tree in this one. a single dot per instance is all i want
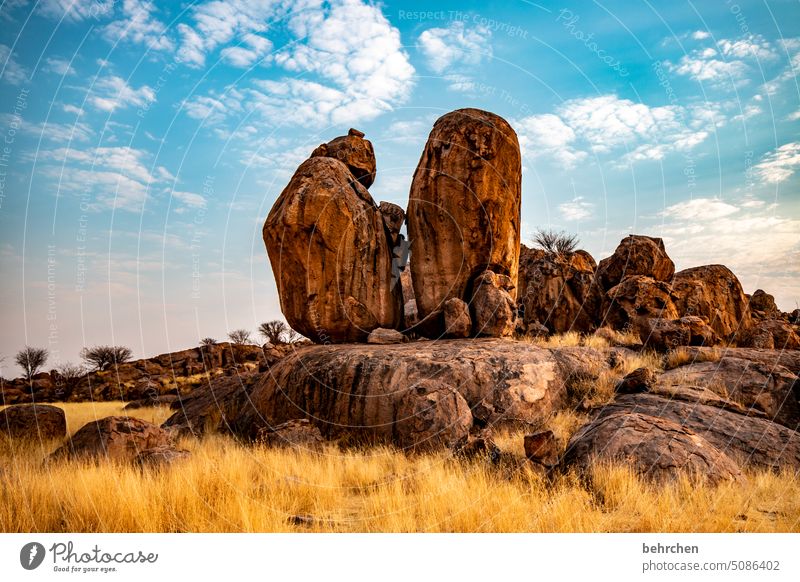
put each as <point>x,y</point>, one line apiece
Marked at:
<point>274,331</point>
<point>239,337</point>
<point>101,357</point>
<point>70,372</point>
<point>208,341</point>
<point>559,243</point>
<point>31,360</point>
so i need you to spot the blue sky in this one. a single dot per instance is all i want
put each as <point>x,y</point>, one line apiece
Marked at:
<point>144,143</point>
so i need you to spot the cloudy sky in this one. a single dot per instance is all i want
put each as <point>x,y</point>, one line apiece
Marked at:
<point>144,143</point>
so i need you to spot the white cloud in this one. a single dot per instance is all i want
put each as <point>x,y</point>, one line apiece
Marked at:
<point>700,35</point>
<point>702,67</point>
<point>113,92</point>
<point>255,47</point>
<point>457,44</point>
<point>139,26</point>
<point>189,199</point>
<point>548,135</point>
<point>577,209</point>
<point>700,208</point>
<point>751,46</point>
<point>57,66</point>
<point>347,61</point>
<point>781,164</point>
<point>51,131</point>
<point>76,10</point>
<point>759,245</point>
<point>12,72</point>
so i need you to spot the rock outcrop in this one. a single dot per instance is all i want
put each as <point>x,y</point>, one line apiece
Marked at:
<point>771,334</point>
<point>464,208</point>
<point>560,291</point>
<point>713,293</point>
<point>654,447</point>
<point>331,256</point>
<point>33,422</point>
<point>638,297</point>
<point>636,255</point>
<point>371,392</point>
<point>120,438</point>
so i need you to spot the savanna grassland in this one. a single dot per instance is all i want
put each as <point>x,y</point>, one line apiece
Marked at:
<point>229,487</point>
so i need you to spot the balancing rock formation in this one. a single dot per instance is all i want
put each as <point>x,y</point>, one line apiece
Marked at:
<point>464,213</point>
<point>330,249</point>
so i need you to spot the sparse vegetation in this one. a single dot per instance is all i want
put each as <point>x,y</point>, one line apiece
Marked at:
<point>208,341</point>
<point>559,243</point>
<point>101,357</point>
<point>239,337</point>
<point>683,356</point>
<point>230,487</point>
<point>31,360</point>
<point>273,331</point>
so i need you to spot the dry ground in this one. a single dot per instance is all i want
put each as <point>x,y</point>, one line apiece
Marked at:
<point>228,487</point>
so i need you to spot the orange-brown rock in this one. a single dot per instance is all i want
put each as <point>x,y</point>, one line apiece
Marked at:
<point>331,256</point>
<point>771,334</point>
<point>638,298</point>
<point>561,292</point>
<point>714,293</point>
<point>464,207</point>
<point>355,152</point>
<point>33,421</point>
<point>762,305</point>
<point>121,438</point>
<point>636,255</point>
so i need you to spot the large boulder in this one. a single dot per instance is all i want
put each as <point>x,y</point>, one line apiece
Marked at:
<point>33,421</point>
<point>212,407</point>
<point>364,390</point>
<point>771,334</point>
<point>355,152</point>
<point>762,305</point>
<point>636,255</point>
<point>666,334</point>
<point>749,440</point>
<point>637,299</point>
<point>120,438</point>
<point>773,390</point>
<point>655,447</point>
<point>714,293</point>
<point>560,291</point>
<point>464,207</point>
<point>331,256</point>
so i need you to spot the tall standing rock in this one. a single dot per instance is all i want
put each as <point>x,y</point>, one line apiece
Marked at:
<point>464,208</point>
<point>331,256</point>
<point>355,152</point>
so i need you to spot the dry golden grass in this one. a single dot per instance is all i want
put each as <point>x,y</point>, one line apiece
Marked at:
<point>229,487</point>
<point>682,356</point>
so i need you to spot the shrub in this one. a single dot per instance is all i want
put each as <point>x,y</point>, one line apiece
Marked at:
<point>239,337</point>
<point>69,371</point>
<point>558,243</point>
<point>31,360</point>
<point>208,341</point>
<point>101,357</point>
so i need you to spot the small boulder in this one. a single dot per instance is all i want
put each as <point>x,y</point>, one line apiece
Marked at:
<point>640,380</point>
<point>457,322</point>
<point>355,152</point>
<point>161,456</point>
<point>385,336</point>
<point>493,308</point>
<point>478,446</point>
<point>33,421</point>
<point>543,448</point>
<point>393,219</point>
<point>762,305</point>
<point>299,433</point>
<point>636,255</point>
<point>120,438</point>
<point>663,335</point>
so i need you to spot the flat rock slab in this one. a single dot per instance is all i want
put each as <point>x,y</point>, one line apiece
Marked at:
<point>447,386</point>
